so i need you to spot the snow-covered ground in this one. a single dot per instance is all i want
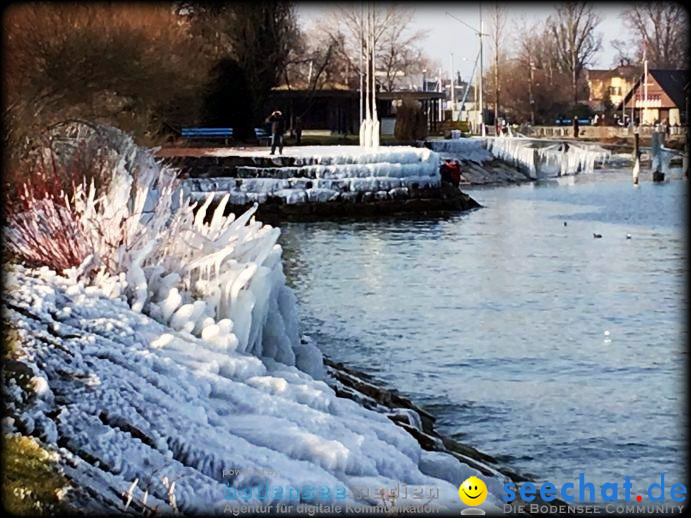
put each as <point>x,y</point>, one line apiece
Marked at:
<point>324,173</point>
<point>160,363</point>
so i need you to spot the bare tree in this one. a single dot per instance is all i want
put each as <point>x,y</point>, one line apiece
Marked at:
<point>395,43</point>
<point>498,24</point>
<point>624,55</point>
<point>527,50</point>
<point>573,31</point>
<point>258,36</point>
<point>534,88</point>
<point>664,28</point>
<point>398,54</point>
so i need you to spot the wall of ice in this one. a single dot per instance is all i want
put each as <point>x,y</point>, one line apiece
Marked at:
<point>529,155</point>
<point>327,173</point>
<point>559,159</point>
<point>468,149</point>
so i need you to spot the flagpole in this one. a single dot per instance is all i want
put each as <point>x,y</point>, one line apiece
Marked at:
<point>645,78</point>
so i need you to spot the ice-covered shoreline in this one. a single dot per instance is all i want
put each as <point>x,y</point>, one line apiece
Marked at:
<point>121,397</point>
<point>535,162</point>
<point>172,353</point>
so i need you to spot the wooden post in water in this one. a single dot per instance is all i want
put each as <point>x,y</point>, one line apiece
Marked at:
<point>685,159</point>
<point>636,159</point>
<point>656,155</point>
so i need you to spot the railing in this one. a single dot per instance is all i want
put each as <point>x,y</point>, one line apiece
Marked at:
<point>598,131</point>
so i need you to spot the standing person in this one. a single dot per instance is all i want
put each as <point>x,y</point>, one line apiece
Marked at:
<point>277,129</point>
<point>575,127</point>
<point>455,173</point>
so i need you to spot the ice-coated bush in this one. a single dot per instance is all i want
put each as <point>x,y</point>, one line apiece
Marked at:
<point>216,276</point>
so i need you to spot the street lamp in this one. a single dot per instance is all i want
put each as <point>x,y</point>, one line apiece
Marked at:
<point>480,34</point>
<point>451,86</point>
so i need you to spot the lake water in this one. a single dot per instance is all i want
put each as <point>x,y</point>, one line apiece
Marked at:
<point>556,352</point>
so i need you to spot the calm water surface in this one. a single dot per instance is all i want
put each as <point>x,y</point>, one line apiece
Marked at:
<point>530,340</point>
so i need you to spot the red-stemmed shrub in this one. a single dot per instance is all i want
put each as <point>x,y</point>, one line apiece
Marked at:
<point>42,226</point>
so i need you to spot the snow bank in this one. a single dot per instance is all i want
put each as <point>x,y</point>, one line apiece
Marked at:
<point>324,173</point>
<point>136,406</point>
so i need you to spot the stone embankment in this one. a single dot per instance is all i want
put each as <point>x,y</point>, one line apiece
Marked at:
<point>321,182</point>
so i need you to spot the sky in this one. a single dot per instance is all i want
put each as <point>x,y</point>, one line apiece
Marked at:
<point>445,35</point>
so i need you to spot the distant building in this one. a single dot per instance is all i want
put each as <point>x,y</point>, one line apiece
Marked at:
<point>336,107</point>
<point>665,98</point>
<point>613,84</point>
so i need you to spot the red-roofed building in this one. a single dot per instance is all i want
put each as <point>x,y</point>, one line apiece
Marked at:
<point>665,99</point>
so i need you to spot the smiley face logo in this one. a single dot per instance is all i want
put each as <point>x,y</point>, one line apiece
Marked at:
<point>472,491</point>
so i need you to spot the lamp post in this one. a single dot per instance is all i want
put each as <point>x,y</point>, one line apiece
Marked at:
<point>362,51</point>
<point>645,84</point>
<point>480,34</point>
<point>530,93</point>
<point>451,86</point>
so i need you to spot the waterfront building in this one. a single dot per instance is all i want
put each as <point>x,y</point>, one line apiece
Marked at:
<point>660,97</point>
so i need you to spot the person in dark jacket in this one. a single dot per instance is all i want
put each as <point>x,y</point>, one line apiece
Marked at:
<point>575,127</point>
<point>277,129</point>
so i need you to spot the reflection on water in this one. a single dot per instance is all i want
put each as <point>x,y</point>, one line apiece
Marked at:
<point>528,338</point>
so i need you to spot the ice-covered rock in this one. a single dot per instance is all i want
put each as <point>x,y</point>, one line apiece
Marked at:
<point>178,262</point>
<point>320,174</point>
<point>136,405</point>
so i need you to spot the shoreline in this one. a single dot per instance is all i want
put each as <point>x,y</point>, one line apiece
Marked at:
<point>366,391</point>
<point>331,183</point>
<point>443,201</point>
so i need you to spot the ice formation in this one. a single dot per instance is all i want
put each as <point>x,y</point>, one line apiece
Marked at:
<point>173,354</point>
<point>209,275</point>
<point>578,158</point>
<point>526,154</point>
<point>545,161</point>
<point>135,400</point>
<point>325,173</point>
<point>467,149</point>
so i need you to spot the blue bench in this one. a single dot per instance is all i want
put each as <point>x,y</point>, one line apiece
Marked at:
<point>206,133</point>
<point>263,136</point>
<point>568,122</point>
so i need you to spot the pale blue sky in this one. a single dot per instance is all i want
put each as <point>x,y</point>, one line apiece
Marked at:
<point>446,35</point>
